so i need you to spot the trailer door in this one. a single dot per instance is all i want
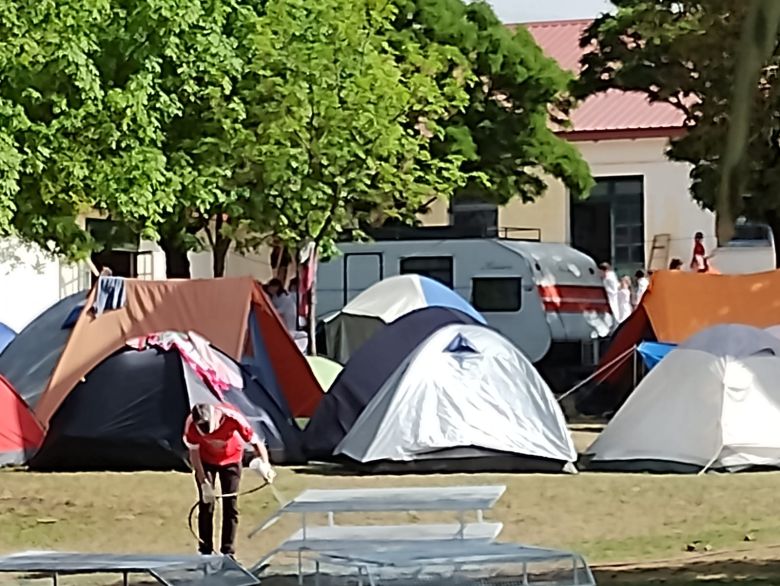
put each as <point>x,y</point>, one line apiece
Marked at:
<point>361,270</point>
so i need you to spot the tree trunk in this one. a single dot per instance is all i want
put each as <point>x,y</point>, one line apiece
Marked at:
<point>177,264</point>
<point>219,255</point>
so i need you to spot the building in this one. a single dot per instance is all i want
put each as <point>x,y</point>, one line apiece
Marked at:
<point>640,196</point>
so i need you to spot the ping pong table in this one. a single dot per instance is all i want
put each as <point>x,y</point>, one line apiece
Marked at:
<point>423,557</point>
<point>166,570</point>
<point>458,499</point>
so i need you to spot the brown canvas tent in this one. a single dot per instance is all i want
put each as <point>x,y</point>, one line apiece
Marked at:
<point>220,310</point>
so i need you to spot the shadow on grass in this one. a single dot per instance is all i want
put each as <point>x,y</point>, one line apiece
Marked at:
<point>711,573</point>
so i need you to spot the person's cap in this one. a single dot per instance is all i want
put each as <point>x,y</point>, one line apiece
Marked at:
<point>205,417</point>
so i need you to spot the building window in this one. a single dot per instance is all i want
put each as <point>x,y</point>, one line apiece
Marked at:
<point>438,268</point>
<point>473,212</point>
<point>609,225</point>
<point>497,294</point>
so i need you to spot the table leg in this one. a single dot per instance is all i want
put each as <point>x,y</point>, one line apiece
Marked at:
<point>55,579</point>
<point>125,581</point>
<point>300,568</point>
<point>480,516</point>
<point>331,518</point>
<point>525,573</point>
<point>317,573</point>
<point>462,519</point>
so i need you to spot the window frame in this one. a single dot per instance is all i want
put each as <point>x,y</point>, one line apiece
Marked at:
<point>449,260</point>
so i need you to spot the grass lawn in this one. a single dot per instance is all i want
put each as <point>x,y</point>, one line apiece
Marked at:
<point>641,522</point>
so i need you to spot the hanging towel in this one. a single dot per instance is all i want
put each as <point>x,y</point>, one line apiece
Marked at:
<point>198,354</point>
<point>110,294</point>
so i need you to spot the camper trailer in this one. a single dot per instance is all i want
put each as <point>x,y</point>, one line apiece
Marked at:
<point>751,250</point>
<point>547,298</point>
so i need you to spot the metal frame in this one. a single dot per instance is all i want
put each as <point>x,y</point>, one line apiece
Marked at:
<point>56,564</point>
<point>335,501</point>
<point>345,270</point>
<point>367,561</point>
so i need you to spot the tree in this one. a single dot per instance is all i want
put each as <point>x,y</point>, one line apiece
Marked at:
<point>503,135</point>
<point>126,108</point>
<point>684,53</point>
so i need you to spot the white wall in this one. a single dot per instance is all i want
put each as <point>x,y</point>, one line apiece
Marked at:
<point>257,265</point>
<point>29,283</point>
<point>669,207</point>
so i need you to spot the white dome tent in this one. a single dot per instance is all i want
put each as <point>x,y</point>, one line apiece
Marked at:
<point>711,404</point>
<point>465,393</point>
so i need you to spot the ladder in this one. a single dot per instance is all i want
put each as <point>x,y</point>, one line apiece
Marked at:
<point>659,253</point>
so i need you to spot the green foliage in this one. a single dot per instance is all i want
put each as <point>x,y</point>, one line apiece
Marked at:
<point>346,119</point>
<point>685,53</point>
<point>240,119</point>
<point>504,133</point>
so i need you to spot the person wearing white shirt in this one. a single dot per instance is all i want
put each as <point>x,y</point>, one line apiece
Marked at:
<point>625,307</point>
<point>611,286</point>
<point>642,284</point>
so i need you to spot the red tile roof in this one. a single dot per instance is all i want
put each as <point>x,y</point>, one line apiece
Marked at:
<point>612,114</point>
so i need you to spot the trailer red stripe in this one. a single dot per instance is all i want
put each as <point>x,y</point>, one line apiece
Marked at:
<point>574,298</point>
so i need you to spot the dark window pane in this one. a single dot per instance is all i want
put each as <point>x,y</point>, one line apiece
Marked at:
<point>494,294</point>
<point>628,187</point>
<point>622,235</point>
<point>438,268</point>
<point>601,189</point>
<point>484,218</point>
<point>622,254</point>
<point>638,254</point>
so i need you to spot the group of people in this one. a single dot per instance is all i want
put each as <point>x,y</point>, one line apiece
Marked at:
<point>623,294</point>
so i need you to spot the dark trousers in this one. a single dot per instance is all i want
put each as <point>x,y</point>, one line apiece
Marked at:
<point>229,478</point>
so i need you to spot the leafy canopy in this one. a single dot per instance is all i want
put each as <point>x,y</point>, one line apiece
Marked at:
<point>244,118</point>
<point>504,134</point>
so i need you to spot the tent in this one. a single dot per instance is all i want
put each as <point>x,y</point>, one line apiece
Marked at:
<point>20,433</point>
<point>383,303</point>
<point>364,374</point>
<point>233,314</point>
<point>129,413</point>
<point>679,304</point>
<point>465,399</point>
<point>325,370</point>
<point>712,403</point>
<point>29,360</point>
<point>6,336</point>
<point>653,352</point>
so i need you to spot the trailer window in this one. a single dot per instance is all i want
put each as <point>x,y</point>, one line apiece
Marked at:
<point>438,268</point>
<point>497,294</point>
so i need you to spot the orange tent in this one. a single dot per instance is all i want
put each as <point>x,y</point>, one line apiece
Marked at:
<point>217,309</point>
<point>679,304</point>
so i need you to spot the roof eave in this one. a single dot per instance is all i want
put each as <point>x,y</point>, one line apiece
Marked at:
<point>622,133</point>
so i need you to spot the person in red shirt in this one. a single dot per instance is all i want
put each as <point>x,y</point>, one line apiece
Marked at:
<point>699,261</point>
<point>215,436</point>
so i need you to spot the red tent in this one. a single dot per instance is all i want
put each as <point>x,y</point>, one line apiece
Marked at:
<point>20,433</point>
